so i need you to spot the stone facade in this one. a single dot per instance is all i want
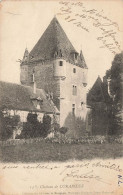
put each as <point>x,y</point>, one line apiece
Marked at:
<point>64,76</point>
<point>60,83</point>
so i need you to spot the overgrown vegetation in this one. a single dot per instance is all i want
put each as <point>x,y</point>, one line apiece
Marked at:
<point>116,89</point>
<point>7,125</point>
<point>33,128</point>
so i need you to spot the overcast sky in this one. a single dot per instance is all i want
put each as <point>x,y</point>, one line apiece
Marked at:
<point>23,22</point>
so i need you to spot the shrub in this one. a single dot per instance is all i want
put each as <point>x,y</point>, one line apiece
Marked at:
<point>7,124</point>
<point>81,140</point>
<point>33,128</point>
<point>32,118</point>
<point>56,127</point>
<point>63,130</point>
<point>46,124</point>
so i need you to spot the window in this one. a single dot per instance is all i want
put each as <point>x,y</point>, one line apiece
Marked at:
<point>74,91</point>
<point>82,103</point>
<point>32,77</point>
<point>74,70</point>
<point>60,63</point>
<point>73,109</point>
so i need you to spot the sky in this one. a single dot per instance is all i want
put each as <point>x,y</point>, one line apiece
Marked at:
<point>23,22</point>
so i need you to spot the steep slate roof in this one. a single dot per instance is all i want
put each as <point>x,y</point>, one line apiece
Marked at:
<point>19,97</point>
<point>54,41</point>
<point>98,93</point>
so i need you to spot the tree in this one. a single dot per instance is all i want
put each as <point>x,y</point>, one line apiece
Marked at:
<point>116,85</point>
<point>63,130</point>
<point>46,124</point>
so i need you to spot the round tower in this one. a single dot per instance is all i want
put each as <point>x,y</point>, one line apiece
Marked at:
<point>60,68</point>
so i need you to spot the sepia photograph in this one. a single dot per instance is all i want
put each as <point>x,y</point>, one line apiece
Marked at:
<point>61,97</point>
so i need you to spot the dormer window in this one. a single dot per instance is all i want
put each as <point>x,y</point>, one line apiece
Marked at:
<point>60,63</point>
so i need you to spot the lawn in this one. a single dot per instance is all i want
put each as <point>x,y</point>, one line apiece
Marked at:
<point>42,151</point>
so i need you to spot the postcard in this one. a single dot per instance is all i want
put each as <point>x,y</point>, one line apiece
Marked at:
<point>61,81</point>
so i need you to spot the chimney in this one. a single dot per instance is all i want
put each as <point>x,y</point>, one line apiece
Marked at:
<point>34,87</point>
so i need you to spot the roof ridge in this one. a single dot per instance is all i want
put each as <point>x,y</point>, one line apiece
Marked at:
<point>56,21</point>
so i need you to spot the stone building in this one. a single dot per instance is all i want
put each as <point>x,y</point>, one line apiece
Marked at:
<point>56,66</point>
<point>19,100</point>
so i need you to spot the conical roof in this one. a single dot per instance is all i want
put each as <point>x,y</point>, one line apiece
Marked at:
<point>55,43</point>
<point>98,93</point>
<point>53,40</point>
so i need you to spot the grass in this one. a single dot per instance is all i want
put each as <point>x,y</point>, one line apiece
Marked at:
<point>42,151</point>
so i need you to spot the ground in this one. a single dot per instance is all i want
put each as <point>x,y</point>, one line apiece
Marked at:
<point>42,151</point>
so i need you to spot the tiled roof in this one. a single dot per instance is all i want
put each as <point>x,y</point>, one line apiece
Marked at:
<point>55,43</point>
<point>98,93</point>
<point>19,97</point>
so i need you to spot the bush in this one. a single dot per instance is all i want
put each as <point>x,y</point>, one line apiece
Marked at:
<point>7,124</point>
<point>32,118</point>
<point>85,139</point>
<point>46,124</point>
<point>32,128</point>
<point>119,139</point>
<point>56,127</point>
<point>63,130</point>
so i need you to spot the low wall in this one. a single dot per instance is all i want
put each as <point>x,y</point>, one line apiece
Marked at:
<point>20,141</point>
<point>81,140</point>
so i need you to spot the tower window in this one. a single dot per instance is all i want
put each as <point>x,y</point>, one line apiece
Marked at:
<point>74,90</point>
<point>74,70</point>
<point>60,63</point>
<point>73,109</point>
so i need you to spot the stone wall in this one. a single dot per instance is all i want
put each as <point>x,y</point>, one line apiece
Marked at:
<point>44,78</point>
<point>62,88</point>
